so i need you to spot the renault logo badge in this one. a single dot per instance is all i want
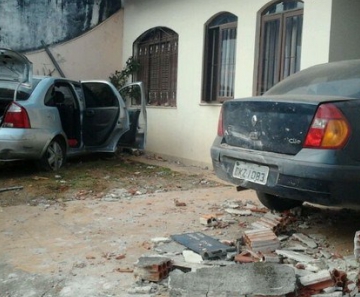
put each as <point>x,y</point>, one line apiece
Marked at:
<point>254,120</point>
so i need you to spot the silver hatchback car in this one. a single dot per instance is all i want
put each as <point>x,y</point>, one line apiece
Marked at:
<point>48,119</point>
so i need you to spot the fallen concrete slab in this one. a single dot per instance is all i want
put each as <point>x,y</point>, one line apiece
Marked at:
<point>261,279</point>
<point>15,282</point>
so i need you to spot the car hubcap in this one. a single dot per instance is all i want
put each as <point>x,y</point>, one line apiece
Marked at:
<point>55,156</point>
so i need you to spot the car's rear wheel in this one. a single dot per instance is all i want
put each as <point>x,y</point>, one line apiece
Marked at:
<point>54,156</point>
<point>277,203</point>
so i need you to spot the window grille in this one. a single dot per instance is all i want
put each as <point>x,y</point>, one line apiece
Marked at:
<point>280,43</point>
<point>219,65</point>
<point>157,53</point>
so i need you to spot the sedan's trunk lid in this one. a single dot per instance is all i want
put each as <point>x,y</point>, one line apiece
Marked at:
<point>15,67</point>
<point>15,77</point>
<point>269,123</point>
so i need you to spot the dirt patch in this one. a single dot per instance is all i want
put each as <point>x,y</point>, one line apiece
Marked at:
<point>92,176</point>
<point>95,176</point>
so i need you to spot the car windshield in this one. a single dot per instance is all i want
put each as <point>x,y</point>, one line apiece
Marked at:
<point>341,79</point>
<point>7,89</point>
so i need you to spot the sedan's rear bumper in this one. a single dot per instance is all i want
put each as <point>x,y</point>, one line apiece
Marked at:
<point>20,144</point>
<point>309,176</point>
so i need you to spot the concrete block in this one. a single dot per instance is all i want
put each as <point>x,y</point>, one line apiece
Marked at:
<point>152,268</point>
<point>265,279</point>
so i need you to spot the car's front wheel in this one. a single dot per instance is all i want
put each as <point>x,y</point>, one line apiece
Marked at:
<point>54,157</point>
<point>277,203</point>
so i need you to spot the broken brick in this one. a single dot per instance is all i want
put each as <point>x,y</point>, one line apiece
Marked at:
<point>263,240</point>
<point>318,280</point>
<point>179,203</point>
<point>339,277</point>
<point>208,220</point>
<point>248,257</point>
<point>276,223</point>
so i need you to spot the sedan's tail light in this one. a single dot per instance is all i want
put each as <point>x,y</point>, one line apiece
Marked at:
<point>329,128</point>
<point>220,130</point>
<point>16,117</point>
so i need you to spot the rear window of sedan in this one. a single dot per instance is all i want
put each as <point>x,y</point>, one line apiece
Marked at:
<point>8,89</point>
<point>340,79</point>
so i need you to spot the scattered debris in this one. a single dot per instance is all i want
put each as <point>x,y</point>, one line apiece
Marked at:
<point>305,239</point>
<point>239,212</point>
<point>158,240</point>
<point>11,189</point>
<point>124,270</point>
<point>357,246</point>
<point>209,220</point>
<point>248,256</point>
<point>206,246</point>
<point>268,260</point>
<point>178,203</point>
<point>40,178</point>
<point>191,257</point>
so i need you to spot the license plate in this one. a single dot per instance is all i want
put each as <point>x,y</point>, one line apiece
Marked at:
<point>251,172</point>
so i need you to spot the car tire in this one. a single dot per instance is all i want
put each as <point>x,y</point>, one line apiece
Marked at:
<point>277,203</point>
<point>54,157</point>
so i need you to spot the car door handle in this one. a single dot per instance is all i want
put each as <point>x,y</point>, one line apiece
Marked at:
<point>90,113</point>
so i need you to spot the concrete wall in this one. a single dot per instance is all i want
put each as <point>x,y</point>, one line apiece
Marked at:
<point>94,55</point>
<point>345,37</point>
<point>187,131</point>
<point>25,24</point>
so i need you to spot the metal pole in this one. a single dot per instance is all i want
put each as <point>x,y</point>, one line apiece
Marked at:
<point>52,59</point>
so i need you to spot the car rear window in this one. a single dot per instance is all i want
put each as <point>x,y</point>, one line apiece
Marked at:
<point>7,90</point>
<point>341,79</point>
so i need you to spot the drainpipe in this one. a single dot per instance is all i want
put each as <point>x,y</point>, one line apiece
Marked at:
<point>46,47</point>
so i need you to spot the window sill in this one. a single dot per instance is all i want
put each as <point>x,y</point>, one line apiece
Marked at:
<point>160,107</point>
<point>210,104</point>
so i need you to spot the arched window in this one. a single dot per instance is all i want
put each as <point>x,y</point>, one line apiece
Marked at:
<point>280,43</point>
<point>219,58</point>
<point>157,52</point>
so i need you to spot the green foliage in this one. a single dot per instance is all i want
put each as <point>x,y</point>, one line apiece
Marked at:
<point>120,78</point>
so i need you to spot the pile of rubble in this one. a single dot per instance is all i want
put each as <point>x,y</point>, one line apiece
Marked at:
<point>270,259</point>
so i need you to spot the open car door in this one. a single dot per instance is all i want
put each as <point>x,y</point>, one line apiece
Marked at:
<point>134,96</point>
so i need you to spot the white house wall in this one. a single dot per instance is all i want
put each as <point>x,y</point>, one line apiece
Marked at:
<point>187,131</point>
<point>94,55</point>
<point>316,32</point>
